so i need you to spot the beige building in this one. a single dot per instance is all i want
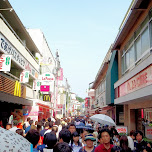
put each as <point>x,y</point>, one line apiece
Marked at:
<point>133,90</point>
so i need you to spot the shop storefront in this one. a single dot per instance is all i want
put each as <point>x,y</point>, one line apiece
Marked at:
<point>136,96</point>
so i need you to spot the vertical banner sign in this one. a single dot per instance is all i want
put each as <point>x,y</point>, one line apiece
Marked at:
<point>61,74</point>
<point>24,77</point>
<point>36,85</point>
<point>5,62</point>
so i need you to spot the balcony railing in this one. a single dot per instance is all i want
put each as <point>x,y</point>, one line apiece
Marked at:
<point>1,16</point>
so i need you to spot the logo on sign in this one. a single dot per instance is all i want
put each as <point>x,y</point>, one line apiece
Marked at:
<point>5,62</point>
<point>24,77</point>
<point>47,77</point>
<point>17,89</point>
<point>46,97</point>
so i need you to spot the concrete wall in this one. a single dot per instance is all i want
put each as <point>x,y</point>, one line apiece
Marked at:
<point>17,44</point>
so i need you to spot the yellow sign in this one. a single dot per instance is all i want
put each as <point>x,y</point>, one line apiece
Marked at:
<point>46,97</point>
<point>17,90</point>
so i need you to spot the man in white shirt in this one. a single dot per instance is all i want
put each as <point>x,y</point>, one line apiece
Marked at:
<point>14,128</point>
<point>131,138</point>
<point>50,127</point>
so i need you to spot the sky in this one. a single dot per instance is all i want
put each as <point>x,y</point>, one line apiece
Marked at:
<point>81,30</point>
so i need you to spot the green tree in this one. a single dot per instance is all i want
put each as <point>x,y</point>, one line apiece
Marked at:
<point>80,99</point>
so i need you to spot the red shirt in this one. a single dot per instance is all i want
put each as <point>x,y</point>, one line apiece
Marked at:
<point>101,148</point>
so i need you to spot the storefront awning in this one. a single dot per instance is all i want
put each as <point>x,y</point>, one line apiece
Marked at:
<point>5,97</point>
<point>104,110</point>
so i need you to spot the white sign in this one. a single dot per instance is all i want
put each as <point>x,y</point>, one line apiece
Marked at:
<point>47,77</point>
<point>7,48</point>
<point>5,62</point>
<point>24,77</point>
<point>36,85</point>
<point>122,129</point>
<point>148,132</point>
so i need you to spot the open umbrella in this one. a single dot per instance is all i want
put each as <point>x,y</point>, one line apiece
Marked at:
<point>103,119</point>
<point>13,142</point>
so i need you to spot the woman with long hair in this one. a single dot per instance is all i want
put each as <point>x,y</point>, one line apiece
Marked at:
<point>75,143</point>
<point>124,144</point>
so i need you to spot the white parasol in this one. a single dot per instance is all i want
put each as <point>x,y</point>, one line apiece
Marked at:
<point>13,142</point>
<point>103,119</point>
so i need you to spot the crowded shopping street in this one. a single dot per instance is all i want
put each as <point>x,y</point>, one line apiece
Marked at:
<point>75,76</point>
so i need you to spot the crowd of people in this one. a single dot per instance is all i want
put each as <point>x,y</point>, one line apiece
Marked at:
<point>78,135</point>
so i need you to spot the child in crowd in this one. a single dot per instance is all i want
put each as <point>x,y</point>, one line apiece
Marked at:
<point>75,144</point>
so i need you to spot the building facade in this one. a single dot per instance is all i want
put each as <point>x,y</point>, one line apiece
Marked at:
<point>133,44</point>
<point>16,42</point>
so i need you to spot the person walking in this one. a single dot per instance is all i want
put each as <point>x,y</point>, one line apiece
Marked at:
<point>49,140</point>
<point>124,144</point>
<point>105,137</point>
<point>75,143</point>
<point>89,139</point>
<point>131,138</point>
<point>33,137</point>
<point>62,147</point>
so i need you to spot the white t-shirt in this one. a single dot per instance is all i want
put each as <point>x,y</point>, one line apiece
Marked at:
<point>13,129</point>
<point>48,131</point>
<point>47,150</point>
<point>130,143</point>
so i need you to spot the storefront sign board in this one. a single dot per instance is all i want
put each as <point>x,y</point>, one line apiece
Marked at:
<point>45,88</point>
<point>36,85</point>
<point>122,129</point>
<point>148,132</point>
<point>47,97</point>
<point>59,106</point>
<point>7,48</point>
<point>24,77</point>
<point>46,77</point>
<point>5,62</point>
<point>142,79</point>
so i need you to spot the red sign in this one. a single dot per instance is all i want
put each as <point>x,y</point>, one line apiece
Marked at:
<point>61,74</point>
<point>148,132</point>
<point>59,106</point>
<point>45,88</point>
<point>142,79</point>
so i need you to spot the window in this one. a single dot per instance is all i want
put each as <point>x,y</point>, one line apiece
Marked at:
<point>138,48</point>
<point>145,40</point>
<point>138,44</point>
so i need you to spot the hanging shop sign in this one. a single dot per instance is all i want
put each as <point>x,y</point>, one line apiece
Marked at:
<point>24,77</point>
<point>17,89</point>
<point>45,88</point>
<point>7,48</point>
<point>47,97</point>
<point>59,106</point>
<point>142,79</point>
<point>46,77</point>
<point>60,74</point>
<point>45,61</point>
<point>36,85</point>
<point>5,62</point>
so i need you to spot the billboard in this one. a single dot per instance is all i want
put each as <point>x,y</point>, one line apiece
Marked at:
<point>24,77</point>
<point>5,62</point>
<point>45,88</point>
<point>47,97</point>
